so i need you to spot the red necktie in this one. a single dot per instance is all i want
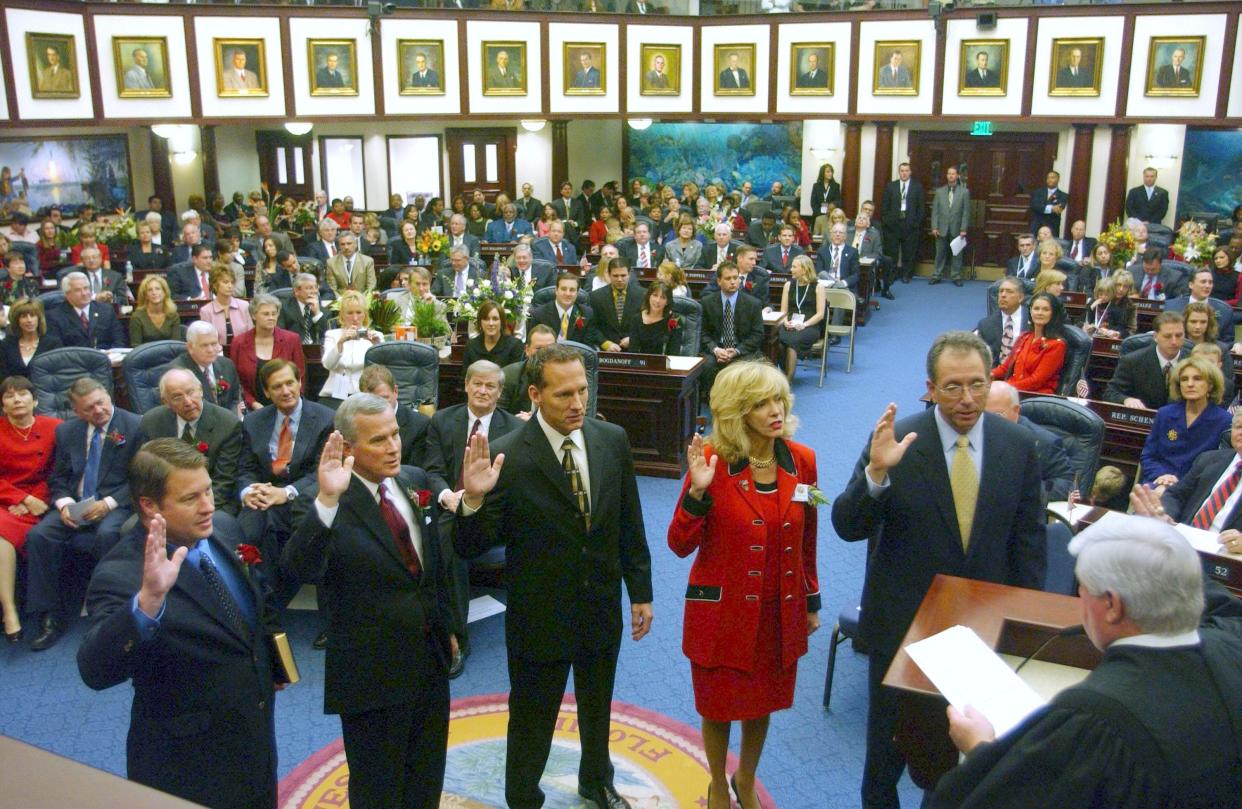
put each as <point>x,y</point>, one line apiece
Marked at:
<point>86,323</point>
<point>1149,286</point>
<point>284,448</point>
<point>560,257</point>
<point>785,257</point>
<point>202,280</point>
<point>1212,506</point>
<point>400,530</point>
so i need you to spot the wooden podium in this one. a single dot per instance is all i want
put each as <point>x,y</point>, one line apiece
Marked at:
<point>1011,620</point>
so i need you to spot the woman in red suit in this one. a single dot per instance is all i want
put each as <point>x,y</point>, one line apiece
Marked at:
<point>1035,363</point>
<point>753,595</point>
<point>26,443</point>
<point>250,349</point>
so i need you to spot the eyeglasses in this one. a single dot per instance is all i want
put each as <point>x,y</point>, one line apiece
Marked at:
<point>953,390</point>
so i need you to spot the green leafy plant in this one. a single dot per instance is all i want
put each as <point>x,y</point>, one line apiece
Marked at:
<point>385,314</point>
<point>429,320</point>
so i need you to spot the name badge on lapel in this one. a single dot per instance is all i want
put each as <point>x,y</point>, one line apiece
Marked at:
<point>802,493</point>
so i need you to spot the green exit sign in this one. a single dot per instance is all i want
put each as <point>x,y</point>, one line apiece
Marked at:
<point>981,128</point>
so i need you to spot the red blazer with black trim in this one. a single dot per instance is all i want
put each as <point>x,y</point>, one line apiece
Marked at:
<point>1036,365</point>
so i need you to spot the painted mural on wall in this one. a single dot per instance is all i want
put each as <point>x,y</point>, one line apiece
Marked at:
<point>705,153</point>
<point>67,172</point>
<point>1211,172</point>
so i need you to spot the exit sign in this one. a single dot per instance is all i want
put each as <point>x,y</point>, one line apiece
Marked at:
<point>981,128</point>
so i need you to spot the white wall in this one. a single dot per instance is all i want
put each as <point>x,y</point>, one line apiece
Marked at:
<point>594,152</point>
<point>1159,141</point>
<point>237,159</point>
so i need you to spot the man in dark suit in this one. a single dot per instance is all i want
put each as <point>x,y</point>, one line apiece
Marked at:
<point>1199,290</point>
<point>641,252</point>
<point>370,536</point>
<point>205,359</point>
<point>450,282</point>
<point>458,237</point>
<point>568,207</point>
<point>324,247</point>
<point>192,280</point>
<point>540,273</point>
<point>752,280</point>
<point>734,76</point>
<point>1025,265</point>
<point>423,76</point>
<point>950,490</point>
<point>555,248</point>
<point>1055,469</point>
<point>1079,246</point>
<point>280,450</point>
<point>329,76</point>
<point>508,227</point>
<point>90,466</point>
<point>107,286</point>
<point>191,237</point>
<point>721,248</point>
<point>79,321</point>
<point>300,312</point>
<point>1001,329</point>
<point>263,231</point>
<point>1073,75</point>
<point>529,206</point>
<point>583,203</point>
<point>980,75</point>
<point>1147,202</point>
<point>732,324</point>
<point>565,317</point>
<point>763,233</point>
<point>412,424</point>
<point>1047,205</point>
<point>565,504</point>
<point>1153,280</point>
<point>1141,378</point>
<point>189,629</point>
<point>836,261</point>
<point>210,429</point>
<point>815,76</point>
<point>450,431</point>
<point>616,306</point>
<point>779,257</point>
<point>901,218</point>
<point>1175,74</point>
<point>515,396</point>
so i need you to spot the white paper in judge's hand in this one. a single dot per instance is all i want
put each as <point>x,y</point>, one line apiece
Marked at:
<point>958,245</point>
<point>967,672</point>
<point>78,509</point>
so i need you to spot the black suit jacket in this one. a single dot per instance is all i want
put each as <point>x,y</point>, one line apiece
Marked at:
<point>848,269</point>
<point>572,210</point>
<point>772,257</point>
<point>747,324</point>
<point>991,330</point>
<point>821,194</point>
<point>588,334</point>
<point>105,330</point>
<point>444,284</point>
<point>227,390</point>
<point>316,250</point>
<point>290,318</point>
<point>916,529</point>
<point>710,256</point>
<point>760,281</point>
<point>606,312</point>
<point>303,469</point>
<point>119,445</point>
<point>1184,499</point>
<point>629,248</point>
<point>11,354</point>
<point>1172,283</point>
<point>157,259</point>
<point>890,206</point>
<point>446,442</point>
<point>183,282</point>
<point>1042,197</point>
<point>220,430</point>
<point>201,726</point>
<point>387,631</point>
<point>1139,375</point>
<point>1153,210</point>
<point>756,235</point>
<point>564,581</point>
<point>413,428</point>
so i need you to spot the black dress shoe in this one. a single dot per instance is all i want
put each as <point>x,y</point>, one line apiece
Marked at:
<point>13,637</point>
<point>933,282</point>
<point>49,632</point>
<point>458,666</point>
<point>321,640</point>
<point>605,797</point>
<point>888,295</point>
<point>957,282</point>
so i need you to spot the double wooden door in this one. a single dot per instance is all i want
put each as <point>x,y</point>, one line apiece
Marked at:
<point>483,159</point>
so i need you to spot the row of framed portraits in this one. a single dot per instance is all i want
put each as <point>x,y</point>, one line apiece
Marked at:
<point>1174,67</point>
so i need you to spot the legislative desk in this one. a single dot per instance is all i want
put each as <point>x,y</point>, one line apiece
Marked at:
<point>1076,309</point>
<point>1010,620</point>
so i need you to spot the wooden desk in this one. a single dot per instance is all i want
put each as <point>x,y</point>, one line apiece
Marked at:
<point>1009,619</point>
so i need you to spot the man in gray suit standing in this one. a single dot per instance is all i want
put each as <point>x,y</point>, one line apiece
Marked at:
<point>949,207</point>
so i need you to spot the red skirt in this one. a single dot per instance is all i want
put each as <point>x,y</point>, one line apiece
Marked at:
<point>725,694</point>
<point>14,528</point>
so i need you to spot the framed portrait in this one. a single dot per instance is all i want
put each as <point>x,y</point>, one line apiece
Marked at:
<point>504,68</point>
<point>1174,66</point>
<point>333,67</point>
<point>1076,66</point>
<point>735,69</point>
<point>421,66</point>
<point>810,68</point>
<point>241,67</point>
<point>897,67</point>
<point>983,67</point>
<point>53,65</point>
<point>661,68</point>
<point>585,69</point>
<point>141,65</point>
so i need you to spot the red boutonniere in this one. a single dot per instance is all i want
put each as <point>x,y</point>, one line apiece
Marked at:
<point>580,322</point>
<point>202,447</point>
<point>749,286</point>
<point>116,438</point>
<point>222,387</point>
<point>673,323</point>
<point>249,554</point>
<point>421,498</point>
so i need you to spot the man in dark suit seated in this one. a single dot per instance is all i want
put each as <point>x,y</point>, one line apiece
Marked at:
<point>324,247</point>
<point>263,231</point>
<point>949,490</point>
<point>1147,202</point>
<point>458,237</point>
<point>568,208</point>
<point>192,281</point>
<point>616,306</point>
<point>565,505</point>
<point>280,452</point>
<point>1025,265</point>
<point>367,530</point>
<point>1153,280</point>
<point>507,228</point>
<point>107,286</point>
<point>641,252</point>
<point>837,262</point>
<point>1055,469</point>
<point>754,281</point>
<point>1199,290</point>
<point>1079,246</point>
<point>1142,377</point>
<point>412,424</point>
<point>565,317</point>
<point>721,248</point>
<point>732,325</point>
<point>301,313</point>
<point>451,281</point>
<point>191,237</point>
<point>175,611</point>
<point>763,233</point>
<point>204,357</point>
<point>79,321</point>
<point>555,248</point>
<point>780,256</point>
<point>540,273</point>
<point>515,396</point>
<point>1001,329</point>
<point>90,472</point>
<point>447,437</point>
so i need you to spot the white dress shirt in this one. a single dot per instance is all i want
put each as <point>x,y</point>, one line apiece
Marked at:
<point>555,439</point>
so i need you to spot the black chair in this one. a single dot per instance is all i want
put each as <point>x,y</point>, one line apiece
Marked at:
<point>590,360</point>
<point>691,312</point>
<point>1081,432</point>
<point>142,369</point>
<point>546,294</point>
<point>415,367</point>
<point>53,372</point>
<point>1059,574</point>
<point>1159,235</point>
<point>1077,354</point>
<point>283,294</point>
<point>53,298</point>
<point>845,629</point>
<point>1136,342</point>
<point>29,252</point>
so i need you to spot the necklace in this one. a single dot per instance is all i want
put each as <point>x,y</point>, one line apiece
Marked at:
<point>764,464</point>
<point>25,436</point>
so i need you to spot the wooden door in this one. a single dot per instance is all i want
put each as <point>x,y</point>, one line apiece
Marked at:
<point>285,163</point>
<point>483,159</point>
<point>1000,171</point>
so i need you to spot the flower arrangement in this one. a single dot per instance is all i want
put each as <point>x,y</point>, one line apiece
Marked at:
<point>1120,243</point>
<point>511,294</point>
<point>706,225</point>
<point>431,242</point>
<point>1194,245</point>
<point>118,230</point>
<point>202,447</point>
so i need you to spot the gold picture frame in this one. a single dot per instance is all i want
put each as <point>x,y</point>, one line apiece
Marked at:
<point>430,79</point>
<point>53,62</point>
<point>897,67</point>
<point>333,67</point>
<point>1168,77</point>
<point>811,68</point>
<point>141,65</point>
<point>246,78</point>
<point>509,78</point>
<point>660,66</point>
<point>585,68</point>
<point>1076,76</point>
<point>983,68</point>
<point>733,69</point>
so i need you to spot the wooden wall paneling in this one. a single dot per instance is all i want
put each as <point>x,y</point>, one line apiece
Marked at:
<point>773,61</point>
<point>1123,74</point>
<point>1118,162</point>
<point>1080,174</point>
<point>286,48</point>
<point>462,56</point>
<point>211,165</point>
<point>6,63</point>
<point>855,43</point>
<point>377,67</point>
<point>883,159</point>
<point>161,172</point>
<point>546,102</point>
<point>560,156</point>
<point>1029,77</point>
<point>622,71</point>
<point>850,165</point>
<point>942,42</point>
<point>92,57</point>
<point>696,50</point>
<point>1226,65</point>
<point>191,58</point>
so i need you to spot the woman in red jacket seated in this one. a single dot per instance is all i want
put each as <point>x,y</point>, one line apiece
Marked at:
<point>753,596</point>
<point>250,349</point>
<point>1035,363</point>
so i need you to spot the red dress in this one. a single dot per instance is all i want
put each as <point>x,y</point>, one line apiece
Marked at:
<point>26,468</point>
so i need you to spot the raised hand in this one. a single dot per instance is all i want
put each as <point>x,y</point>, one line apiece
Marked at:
<point>1146,502</point>
<point>335,470</point>
<point>702,472</point>
<point>886,450</point>
<point>159,571</point>
<point>479,472</point>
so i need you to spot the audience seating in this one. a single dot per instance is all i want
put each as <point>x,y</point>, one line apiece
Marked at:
<point>839,299</point>
<point>691,312</point>
<point>546,294</point>
<point>52,298</point>
<point>1081,432</point>
<point>1136,342</point>
<point>30,253</point>
<point>283,294</point>
<point>590,359</point>
<point>1077,354</point>
<point>142,369</point>
<point>54,372</point>
<point>416,369</point>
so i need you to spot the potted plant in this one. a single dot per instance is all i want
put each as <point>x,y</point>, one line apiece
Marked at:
<point>430,325</point>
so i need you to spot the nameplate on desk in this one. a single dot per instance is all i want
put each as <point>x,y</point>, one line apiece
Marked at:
<point>1076,298</point>
<point>1146,305</point>
<point>1106,345</point>
<point>1128,417</point>
<point>1237,363</point>
<point>647,362</point>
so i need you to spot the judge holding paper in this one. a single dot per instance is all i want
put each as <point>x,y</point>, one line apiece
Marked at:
<point>1155,724</point>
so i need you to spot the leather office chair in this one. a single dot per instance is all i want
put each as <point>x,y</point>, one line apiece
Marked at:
<point>142,369</point>
<point>1059,574</point>
<point>416,369</point>
<point>283,294</point>
<point>590,359</point>
<point>845,629</point>
<point>546,294</point>
<point>691,312</point>
<point>54,372</point>
<point>1136,342</point>
<point>53,298</point>
<point>30,253</point>
<point>1077,354</point>
<point>1081,432</point>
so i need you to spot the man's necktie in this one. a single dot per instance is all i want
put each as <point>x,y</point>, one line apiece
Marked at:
<point>836,261</point>
<point>1007,338</point>
<point>565,326</point>
<point>1149,286</point>
<point>400,530</point>
<point>459,283</point>
<point>331,250</point>
<point>950,196</point>
<point>95,282</point>
<point>205,284</point>
<point>216,582</point>
<point>618,302</point>
<point>644,257</point>
<point>86,323</point>
<point>903,196</point>
<point>1168,368</point>
<point>1206,514</point>
<point>1078,250</point>
<point>965,482</point>
<point>575,482</point>
<point>560,257</point>
<point>308,323</point>
<point>187,435</point>
<point>727,338</point>
<point>284,447</point>
<point>785,257</point>
<point>90,475</point>
<point>349,271</point>
<point>209,377</point>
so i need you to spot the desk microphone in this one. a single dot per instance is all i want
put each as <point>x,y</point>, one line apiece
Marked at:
<point>1067,632</point>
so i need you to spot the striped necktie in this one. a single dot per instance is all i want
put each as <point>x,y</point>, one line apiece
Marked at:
<point>575,481</point>
<point>1212,506</point>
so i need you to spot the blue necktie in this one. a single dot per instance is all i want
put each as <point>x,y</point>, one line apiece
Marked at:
<point>90,477</point>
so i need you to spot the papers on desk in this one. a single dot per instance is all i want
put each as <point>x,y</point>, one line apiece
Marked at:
<point>1200,540</point>
<point>682,363</point>
<point>771,317</point>
<point>483,607</point>
<point>967,672</point>
<point>958,245</point>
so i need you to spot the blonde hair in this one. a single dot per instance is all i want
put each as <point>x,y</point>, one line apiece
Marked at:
<point>676,275</point>
<point>1216,381</point>
<point>737,390</point>
<point>1050,245</point>
<point>838,215</point>
<point>351,298</point>
<point>1199,307</point>
<point>1047,278</point>
<point>601,272</point>
<point>144,289</point>
<point>804,263</point>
